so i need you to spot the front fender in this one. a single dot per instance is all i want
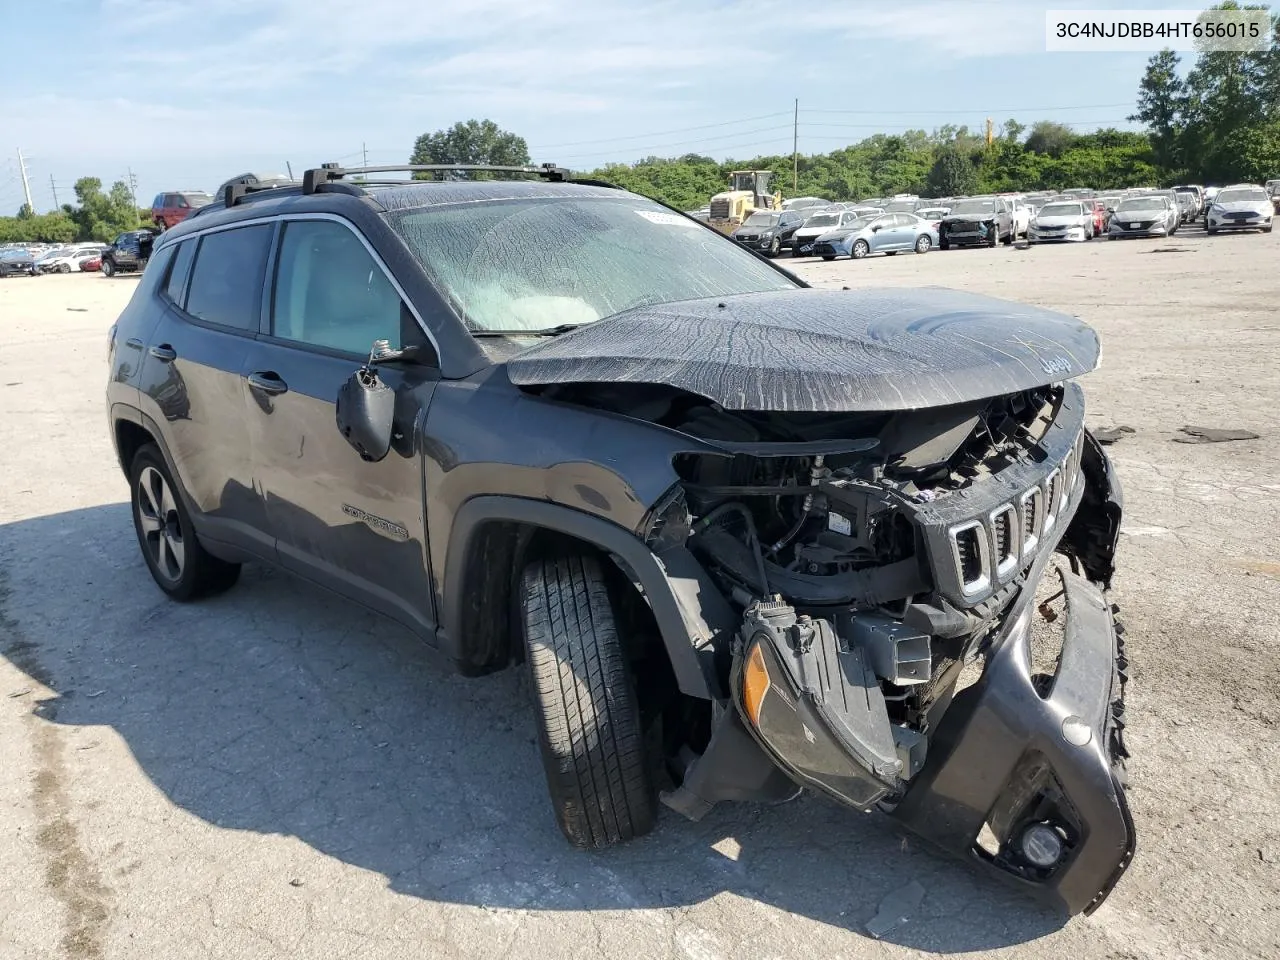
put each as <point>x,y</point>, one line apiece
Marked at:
<point>691,614</point>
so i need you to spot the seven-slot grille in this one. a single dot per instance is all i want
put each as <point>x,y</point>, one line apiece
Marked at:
<point>993,549</point>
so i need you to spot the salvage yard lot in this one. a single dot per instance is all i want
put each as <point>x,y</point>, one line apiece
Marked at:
<point>275,774</point>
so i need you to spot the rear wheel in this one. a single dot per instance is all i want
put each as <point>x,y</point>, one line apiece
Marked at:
<point>180,565</point>
<point>588,715</point>
<point>923,243</point>
<point>860,249</point>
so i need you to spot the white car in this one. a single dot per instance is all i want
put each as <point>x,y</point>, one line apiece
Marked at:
<point>1022,217</point>
<point>803,240</point>
<point>1061,220</point>
<point>66,261</point>
<point>1244,206</point>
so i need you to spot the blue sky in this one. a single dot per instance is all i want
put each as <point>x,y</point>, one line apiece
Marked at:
<point>188,92</point>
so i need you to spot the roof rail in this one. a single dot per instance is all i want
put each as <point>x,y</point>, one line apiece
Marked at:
<point>331,171</point>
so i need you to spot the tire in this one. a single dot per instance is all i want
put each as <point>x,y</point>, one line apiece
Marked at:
<point>64,268</point>
<point>924,243</point>
<point>775,247</point>
<point>944,245</point>
<point>588,715</point>
<point>179,564</point>
<point>108,267</point>
<point>1267,228</point>
<point>995,237</point>
<point>860,249</point>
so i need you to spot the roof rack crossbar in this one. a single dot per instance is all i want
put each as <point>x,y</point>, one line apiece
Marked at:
<point>332,171</point>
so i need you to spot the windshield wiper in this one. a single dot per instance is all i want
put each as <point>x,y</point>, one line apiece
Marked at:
<point>544,332</point>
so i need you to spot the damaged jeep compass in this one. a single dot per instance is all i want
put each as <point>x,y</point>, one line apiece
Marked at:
<point>749,537</point>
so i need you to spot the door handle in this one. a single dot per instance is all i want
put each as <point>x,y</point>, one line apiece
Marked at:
<point>163,352</point>
<point>135,343</point>
<point>267,382</point>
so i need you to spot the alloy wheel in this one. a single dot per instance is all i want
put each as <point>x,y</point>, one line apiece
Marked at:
<point>161,526</point>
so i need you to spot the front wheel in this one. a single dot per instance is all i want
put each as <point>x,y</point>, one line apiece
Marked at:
<point>64,268</point>
<point>944,245</point>
<point>860,249</point>
<point>775,247</point>
<point>587,712</point>
<point>108,268</point>
<point>923,243</point>
<point>178,562</point>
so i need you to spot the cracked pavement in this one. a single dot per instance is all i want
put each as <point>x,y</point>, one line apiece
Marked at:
<point>274,773</point>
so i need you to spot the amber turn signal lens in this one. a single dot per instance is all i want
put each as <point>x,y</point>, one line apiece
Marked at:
<point>755,683</point>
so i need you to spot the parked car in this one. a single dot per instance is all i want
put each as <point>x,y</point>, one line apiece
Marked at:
<point>889,233</point>
<point>66,260</point>
<point>1022,215</point>
<point>1187,203</point>
<point>1069,220</point>
<point>1244,206</point>
<point>260,181</point>
<point>769,232</point>
<point>902,205</point>
<point>128,252</point>
<point>1144,216</point>
<point>702,213</point>
<point>977,220</point>
<point>585,461</point>
<point>805,203</point>
<point>933,215</point>
<point>91,265</point>
<point>17,262</point>
<point>170,209</point>
<point>1197,204</point>
<point>1273,191</point>
<point>803,239</point>
<point>862,211</point>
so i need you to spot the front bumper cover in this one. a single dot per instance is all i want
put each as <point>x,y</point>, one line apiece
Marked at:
<point>1002,751</point>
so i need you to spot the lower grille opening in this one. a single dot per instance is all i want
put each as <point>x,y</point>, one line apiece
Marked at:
<point>1048,629</point>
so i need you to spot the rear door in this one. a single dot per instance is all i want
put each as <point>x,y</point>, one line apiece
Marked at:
<point>192,378</point>
<point>353,526</point>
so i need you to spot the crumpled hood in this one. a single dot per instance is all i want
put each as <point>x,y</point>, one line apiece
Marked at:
<point>820,350</point>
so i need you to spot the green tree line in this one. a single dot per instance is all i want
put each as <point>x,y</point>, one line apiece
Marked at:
<point>96,216</point>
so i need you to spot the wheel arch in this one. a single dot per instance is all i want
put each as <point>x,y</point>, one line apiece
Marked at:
<point>493,537</point>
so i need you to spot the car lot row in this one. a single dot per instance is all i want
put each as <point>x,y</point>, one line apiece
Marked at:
<point>811,227</point>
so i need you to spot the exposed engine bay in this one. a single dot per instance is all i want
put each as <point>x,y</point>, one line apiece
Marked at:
<point>881,547</point>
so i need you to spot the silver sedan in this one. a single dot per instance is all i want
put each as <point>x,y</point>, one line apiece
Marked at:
<point>888,234</point>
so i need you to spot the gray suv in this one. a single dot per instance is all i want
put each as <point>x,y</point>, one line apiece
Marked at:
<point>749,537</point>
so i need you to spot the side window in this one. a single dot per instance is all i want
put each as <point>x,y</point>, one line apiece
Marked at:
<point>178,275</point>
<point>158,201</point>
<point>226,279</point>
<point>329,292</point>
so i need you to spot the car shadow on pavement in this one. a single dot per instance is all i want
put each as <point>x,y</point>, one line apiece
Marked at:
<point>280,709</point>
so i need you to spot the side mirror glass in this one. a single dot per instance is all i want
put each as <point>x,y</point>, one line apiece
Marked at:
<point>365,412</point>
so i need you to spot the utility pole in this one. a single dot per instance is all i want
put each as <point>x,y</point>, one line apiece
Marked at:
<point>26,187</point>
<point>990,133</point>
<point>54,187</point>
<point>289,167</point>
<point>364,148</point>
<point>795,149</point>
<point>133,186</point>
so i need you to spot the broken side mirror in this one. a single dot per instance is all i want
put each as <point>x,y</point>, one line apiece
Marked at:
<point>366,408</point>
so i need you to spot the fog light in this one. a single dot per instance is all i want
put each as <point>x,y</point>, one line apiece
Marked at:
<point>1040,845</point>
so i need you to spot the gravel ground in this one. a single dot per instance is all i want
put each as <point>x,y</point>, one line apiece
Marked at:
<point>274,774</point>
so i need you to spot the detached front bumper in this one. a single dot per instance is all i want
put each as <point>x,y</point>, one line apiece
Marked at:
<point>1005,758</point>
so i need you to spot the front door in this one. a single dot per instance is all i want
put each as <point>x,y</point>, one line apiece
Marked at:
<point>353,526</point>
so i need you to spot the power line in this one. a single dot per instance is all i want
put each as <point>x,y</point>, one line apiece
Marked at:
<point>662,133</point>
<point>967,110</point>
<point>681,143</point>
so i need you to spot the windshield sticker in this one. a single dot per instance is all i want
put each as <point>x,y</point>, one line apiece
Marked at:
<point>667,219</point>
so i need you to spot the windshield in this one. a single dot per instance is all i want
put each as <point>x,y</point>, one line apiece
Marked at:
<point>822,220</point>
<point>900,206</point>
<point>965,207</point>
<point>760,220</point>
<point>1238,196</point>
<point>198,199</point>
<point>533,264</point>
<point>1061,210</point>
<point>1141,204</point>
